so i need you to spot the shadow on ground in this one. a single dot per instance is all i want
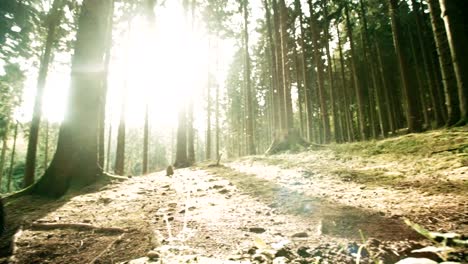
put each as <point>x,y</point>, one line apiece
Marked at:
<point>336,220</point>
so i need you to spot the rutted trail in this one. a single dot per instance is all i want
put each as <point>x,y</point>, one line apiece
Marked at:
<point>240,213</point>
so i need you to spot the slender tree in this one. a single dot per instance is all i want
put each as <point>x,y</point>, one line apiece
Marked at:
<point>75,163</point>
<point>145,141</point>
<point>455,19</point>
<point>445,61</point>
<point>250,118</point>
<point>181,160</point>
<point>356,80</point>
<point>411,94</point>
<point>12,157</point>
<point>119,167</point>
<point>53,19</point>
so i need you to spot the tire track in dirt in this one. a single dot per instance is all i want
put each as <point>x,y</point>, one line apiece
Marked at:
<point>335,220</point>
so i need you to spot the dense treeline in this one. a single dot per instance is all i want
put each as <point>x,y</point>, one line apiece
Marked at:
<point>359,69</point>
<point>315,71</point>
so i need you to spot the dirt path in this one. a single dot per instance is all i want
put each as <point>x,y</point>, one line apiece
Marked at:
<point>247,212</point>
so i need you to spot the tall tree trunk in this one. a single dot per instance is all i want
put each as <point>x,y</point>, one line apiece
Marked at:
<point>357,85</point>
<point>190,134</point>
<point>75,162</point>
<point>3,154</point>
<point>419,78</point>
<point>300,90</point>
<point>145,141</point>
<point>12,157</point>
<point>46,144</point>
<point>455,19</point>
<point>105,84</point>
<point>348,119</point>
<point>375,92</point>
<point>279,70</point>
<point>445,61</point>
<point>320,78</point>
<point>208,117</point>
<point>332,92</point>
<point>283,11</point>
<point>385,91</point>
<point>190,118</point>
<point>53,20</point>
<point>109,140</point>
<point>411,94</point>
<point>274,73</point>
<point>119,166</point>
<point>181,160</point>
<point>250,118</point>
<point>430,78</point>
<point>306,84</point>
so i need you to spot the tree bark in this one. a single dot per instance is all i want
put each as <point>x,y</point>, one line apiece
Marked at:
<point>455,19</point>
<point>4,148</point>
<point>411,94</point>
<point>75,163</point>
<point>332,91</point>
<point>307,88</point>
<point>283,12</point>
<point>145,141</point>
<point>119,166</point>
<point>431,79</point>
<point>357,86</point>
<point>181,160</point>
<point>250,118</point>
<point>320,78</point>
<point>274,73</point>
<point>446,67</point>
<point>12,157</point>
<point>348,119</point>
<point>53,19</point>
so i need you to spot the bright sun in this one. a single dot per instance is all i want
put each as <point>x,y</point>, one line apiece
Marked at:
<point>162,66</point>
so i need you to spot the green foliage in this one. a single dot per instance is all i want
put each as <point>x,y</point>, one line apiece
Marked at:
<point>18,19</point>
<point>218,16</point>
<point>446,243</point>
<point>11,87</point>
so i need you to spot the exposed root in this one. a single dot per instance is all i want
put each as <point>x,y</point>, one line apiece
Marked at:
<point>75,226</point>
<point>26,191</point>
<point>287,141</point>
<point>114,176</point>
<point>107,249</point>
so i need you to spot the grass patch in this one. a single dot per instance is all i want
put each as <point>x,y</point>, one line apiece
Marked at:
<point>423,144</point>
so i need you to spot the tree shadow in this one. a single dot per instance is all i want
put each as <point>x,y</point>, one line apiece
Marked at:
<point>336,220</point>
<point>29,208</point>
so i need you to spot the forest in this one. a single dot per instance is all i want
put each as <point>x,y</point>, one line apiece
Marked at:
<point>224,131</point>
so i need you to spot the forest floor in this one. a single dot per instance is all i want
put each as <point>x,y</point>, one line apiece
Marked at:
<point>316,206</point>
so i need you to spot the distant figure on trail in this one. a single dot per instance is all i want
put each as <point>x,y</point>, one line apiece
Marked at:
<point>169,171</point>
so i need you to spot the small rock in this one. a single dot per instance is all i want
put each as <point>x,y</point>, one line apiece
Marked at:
<point>257,230</point>
<point>416,261</point>
<point>283,252</point>
<point>153,255</point>
<point>259,258</point>
<point>252,250</point>
<point>280,260</point>
<point>301,235</point>
<point>223,191</point>
<point>304,252</point>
